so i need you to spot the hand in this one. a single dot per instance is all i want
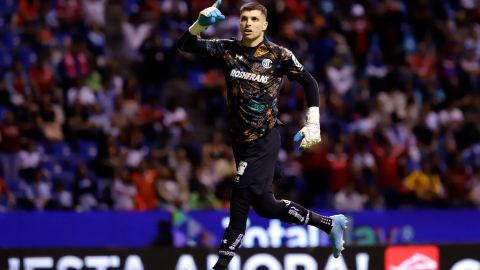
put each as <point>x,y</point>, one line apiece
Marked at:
<point>310,133</point>
<point>211,15</point>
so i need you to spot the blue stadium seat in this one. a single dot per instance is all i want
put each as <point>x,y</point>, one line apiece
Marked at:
<point>60,150</point>
<point>6,59</point>
<point>7,7</point>
<point>87,150</point>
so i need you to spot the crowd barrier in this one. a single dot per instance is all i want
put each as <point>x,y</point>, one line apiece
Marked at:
<point>424,257</point>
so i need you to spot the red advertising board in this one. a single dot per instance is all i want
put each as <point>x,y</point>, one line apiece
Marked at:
<point>412,258</point>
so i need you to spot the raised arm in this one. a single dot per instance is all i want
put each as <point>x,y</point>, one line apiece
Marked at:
<point>189,41</point>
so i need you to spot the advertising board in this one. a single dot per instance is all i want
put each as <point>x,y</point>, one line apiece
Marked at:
<point>425,257</point>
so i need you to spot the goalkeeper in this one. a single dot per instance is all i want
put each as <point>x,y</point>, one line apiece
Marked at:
<point>254,68</point>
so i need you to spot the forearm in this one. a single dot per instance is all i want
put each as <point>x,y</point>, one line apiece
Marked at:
<point>187,42</point>
<point>311,89</point>
<point>310,133</point>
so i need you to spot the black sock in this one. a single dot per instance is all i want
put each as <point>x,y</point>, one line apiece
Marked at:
<point>231,240</point>
<point>222,263</point>
<point>324,223</point>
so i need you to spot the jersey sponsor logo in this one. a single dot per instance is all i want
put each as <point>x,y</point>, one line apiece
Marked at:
<point>267,63</point>
<point>248,76</point>
<point>256,106</point>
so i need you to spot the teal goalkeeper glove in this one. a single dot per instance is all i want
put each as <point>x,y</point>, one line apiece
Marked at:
<point>207,17</point>
<point>310,133</point>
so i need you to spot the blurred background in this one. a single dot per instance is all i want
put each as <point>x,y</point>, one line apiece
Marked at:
<point>110,137</point>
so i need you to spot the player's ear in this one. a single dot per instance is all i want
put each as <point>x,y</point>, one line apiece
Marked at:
<point>265,25</point>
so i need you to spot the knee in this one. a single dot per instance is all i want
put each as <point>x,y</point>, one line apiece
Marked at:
<point>265,211</point>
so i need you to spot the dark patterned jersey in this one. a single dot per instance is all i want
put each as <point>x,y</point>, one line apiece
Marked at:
<point>254,76</point>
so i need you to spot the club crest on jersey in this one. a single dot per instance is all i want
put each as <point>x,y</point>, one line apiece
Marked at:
<point>267,63</point>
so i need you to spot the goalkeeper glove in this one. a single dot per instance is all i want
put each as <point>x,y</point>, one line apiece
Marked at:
<point>207,17</point>
<point>310,133</point>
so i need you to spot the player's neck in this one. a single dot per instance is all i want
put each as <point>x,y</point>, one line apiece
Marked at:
<point>252,42</point>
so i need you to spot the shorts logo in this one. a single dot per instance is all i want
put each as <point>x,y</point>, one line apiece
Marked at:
<point>241,169</point>
<point>287,202</point>
<point>267,63</point>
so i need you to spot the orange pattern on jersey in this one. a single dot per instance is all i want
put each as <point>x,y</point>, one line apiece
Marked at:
<point>261,50</point>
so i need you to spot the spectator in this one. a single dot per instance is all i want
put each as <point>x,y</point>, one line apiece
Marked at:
<point>456,179</point>
<point>349,199</point>
<point>94,11</point>
<point>37,192</point>
<point>170,191</point>
<point>123,192</point>
<point>74,63</point>
<point>18,83</point>
<point>5,193</point>
<point>340,75</point>
<point>52,118</point>
<point>81,93</point>
<point>42,78</point>
<point>62,198</point>
<point>135,31</point>
<point>339,164</point>
<point>84,189</point>
<point>426,185</point>
<point>202,199</point>
<point>29,159</point>
<point>10,137</point>
<point>145,178</point>
<point>474,194</point>
<point>387,158</point>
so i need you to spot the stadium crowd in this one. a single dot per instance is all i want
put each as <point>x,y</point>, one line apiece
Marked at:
<point>98,110</point>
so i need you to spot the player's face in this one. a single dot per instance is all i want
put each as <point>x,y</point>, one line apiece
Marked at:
<point>253,24</point>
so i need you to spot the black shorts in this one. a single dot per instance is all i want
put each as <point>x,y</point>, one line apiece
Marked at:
<point>256,162</point>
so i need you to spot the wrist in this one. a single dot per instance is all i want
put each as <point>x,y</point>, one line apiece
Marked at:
<point>313,116</point>
<point>195,29</point>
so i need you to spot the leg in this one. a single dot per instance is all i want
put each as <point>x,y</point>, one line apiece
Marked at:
<point>267,206</point>
<point>239,206</point>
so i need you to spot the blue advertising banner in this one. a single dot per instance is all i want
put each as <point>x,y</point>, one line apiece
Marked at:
<point>90,229</point>
<point>205,228</point>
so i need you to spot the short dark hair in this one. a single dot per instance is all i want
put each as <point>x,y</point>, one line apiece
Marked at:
<point>254,6</point>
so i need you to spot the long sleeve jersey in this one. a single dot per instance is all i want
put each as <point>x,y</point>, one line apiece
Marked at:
<point>254,77</point>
